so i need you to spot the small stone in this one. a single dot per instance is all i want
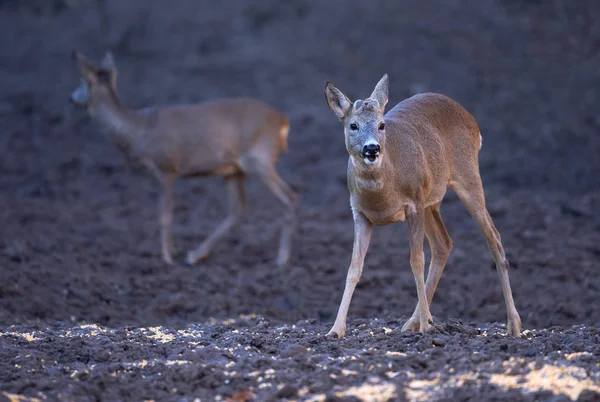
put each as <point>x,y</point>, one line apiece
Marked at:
<point>588,395</point>
<point>438,342</point>
<point>294,351</point>
<point>288,391</point>
<point>514,348</point>
<point>15,251</point>
<point>424,344</point>
<point>578,347</point>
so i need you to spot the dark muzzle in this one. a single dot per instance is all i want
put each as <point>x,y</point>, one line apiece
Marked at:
<point>371,152</point>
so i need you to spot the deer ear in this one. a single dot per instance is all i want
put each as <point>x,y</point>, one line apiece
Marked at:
<point>109,63</point>
<point>337,101</point>
<point>86,68</point>
<point>380,93</point>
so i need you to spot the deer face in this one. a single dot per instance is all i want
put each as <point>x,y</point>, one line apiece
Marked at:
<point>98,83</point>
<point>364,127</point>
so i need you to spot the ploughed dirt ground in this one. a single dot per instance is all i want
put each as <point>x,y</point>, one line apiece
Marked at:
<point>89,312</point>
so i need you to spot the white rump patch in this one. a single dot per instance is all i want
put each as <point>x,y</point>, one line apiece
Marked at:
<point>284,131</point>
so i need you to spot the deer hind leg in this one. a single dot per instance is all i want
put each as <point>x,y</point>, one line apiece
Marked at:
<point>287,197</point>
<point>472,196</point>
<point>441,245</point>
<point>237,207</point>
<point>261,166</point>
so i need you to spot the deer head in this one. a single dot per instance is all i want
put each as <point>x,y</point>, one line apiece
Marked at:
<point>98,83</point>
<point>364,127</point>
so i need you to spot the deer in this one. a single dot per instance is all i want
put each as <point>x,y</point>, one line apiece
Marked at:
<point>234,138</point>
<point>400,165</point>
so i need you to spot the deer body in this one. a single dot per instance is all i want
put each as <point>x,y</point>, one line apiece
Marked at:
<point>399,168</point>
<point>419,160</point>
<point>233,138</point>
<point>194,140</point>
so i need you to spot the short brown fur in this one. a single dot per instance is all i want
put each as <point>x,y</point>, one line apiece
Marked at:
<point>426,144</point>
<point>233,138</point>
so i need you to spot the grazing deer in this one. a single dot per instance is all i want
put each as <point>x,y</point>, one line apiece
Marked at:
<point>399,168</point>
<point>233,138</point>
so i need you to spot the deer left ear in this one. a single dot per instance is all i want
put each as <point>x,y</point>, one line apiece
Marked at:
<point>109,65</point>
<point>380,93</point>
<point>109,62</point>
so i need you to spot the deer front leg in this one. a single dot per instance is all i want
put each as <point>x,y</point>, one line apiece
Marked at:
<point>441,244</point>
<point>166,217</point>
<point>417,263</point>
<point>362,236</point>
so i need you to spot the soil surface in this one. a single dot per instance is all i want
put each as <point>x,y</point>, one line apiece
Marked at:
<point>88,311</point>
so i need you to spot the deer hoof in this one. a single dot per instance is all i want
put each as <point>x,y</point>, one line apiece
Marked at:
<point>194,258</point>
<point>514,327</point>
<point>333,333</point>
<point>412,325</point>
<point>426,326</point>
<point>190,259</point>
<point>182,260</point>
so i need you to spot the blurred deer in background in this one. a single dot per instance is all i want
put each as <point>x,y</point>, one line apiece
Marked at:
<point>233,138</point>
<point>399,168</point>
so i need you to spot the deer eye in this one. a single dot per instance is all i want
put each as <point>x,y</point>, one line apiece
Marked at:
<point>103,75</point>
<point>353,126</point>
<point>382,126</point>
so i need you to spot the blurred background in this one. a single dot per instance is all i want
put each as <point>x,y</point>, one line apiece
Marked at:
<point>79,238</point>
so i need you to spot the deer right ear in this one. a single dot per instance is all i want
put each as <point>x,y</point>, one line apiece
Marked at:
<point>337,101</point>
<point>85,67</point>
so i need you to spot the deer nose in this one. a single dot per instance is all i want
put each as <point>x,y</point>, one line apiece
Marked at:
<point>371,150</point>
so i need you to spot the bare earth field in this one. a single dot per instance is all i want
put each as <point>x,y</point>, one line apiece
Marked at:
<point>89,312</point>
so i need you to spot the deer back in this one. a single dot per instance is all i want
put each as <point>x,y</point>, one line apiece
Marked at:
<point>209,138</point>
<point>428,137</point>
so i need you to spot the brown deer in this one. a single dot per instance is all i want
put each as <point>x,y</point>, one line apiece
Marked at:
<point>233,138</point>
<point>400,165</point>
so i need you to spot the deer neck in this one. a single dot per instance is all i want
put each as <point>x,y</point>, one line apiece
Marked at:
<point>370,178</point>
<point>121,124</point>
